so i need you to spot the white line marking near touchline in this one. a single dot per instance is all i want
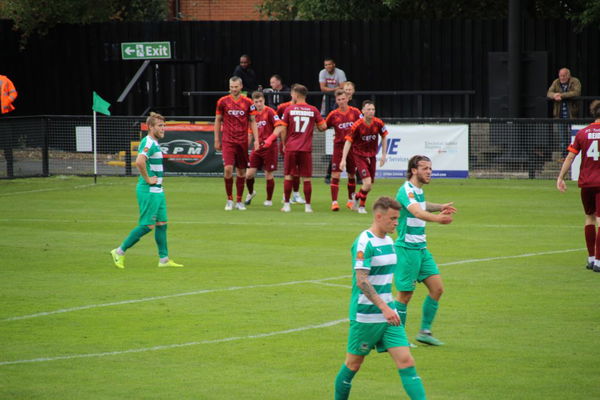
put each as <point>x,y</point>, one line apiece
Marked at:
<point>317,281</point>
<point>175,346</point>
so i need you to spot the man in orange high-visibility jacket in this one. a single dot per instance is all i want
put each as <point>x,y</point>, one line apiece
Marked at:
<point>8,94</point>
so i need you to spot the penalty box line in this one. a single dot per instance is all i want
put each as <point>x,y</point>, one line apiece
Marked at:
<point>315,281</point>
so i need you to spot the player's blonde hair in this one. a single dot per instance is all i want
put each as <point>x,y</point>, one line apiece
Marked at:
<point>154,118</point>
<point>595,108</point>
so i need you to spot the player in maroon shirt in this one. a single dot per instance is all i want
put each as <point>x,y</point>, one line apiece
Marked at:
<point>234,113</point>
<point>263,158</point>
<point>342,119</point>
<point>296,130</point>
<point>296,197</point>
<point>363,140</point>
<point>586,142</point>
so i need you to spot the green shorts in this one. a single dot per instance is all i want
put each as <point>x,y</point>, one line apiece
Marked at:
<point>153,207</point>
<point>413,265</point>
<point>382,336</point>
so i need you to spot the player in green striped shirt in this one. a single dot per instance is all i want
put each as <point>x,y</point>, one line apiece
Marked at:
<point>415,262</point>
<point>150,196</point>
<point>374,322</point>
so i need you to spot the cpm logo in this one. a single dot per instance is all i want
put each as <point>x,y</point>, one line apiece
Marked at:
<point>392,146</point>
<point>185,151</point>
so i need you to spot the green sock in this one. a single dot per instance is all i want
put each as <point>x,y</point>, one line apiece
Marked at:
<point>343,383</point>
<point>160,235</point>
<point>430,307</point>
<point>134,236</point>
<point>412,383</point>
<point>401,308</point>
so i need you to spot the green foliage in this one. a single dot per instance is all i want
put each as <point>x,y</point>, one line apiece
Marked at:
<point>583,12</point>
<point>519,322</point>
<point>37,17</point>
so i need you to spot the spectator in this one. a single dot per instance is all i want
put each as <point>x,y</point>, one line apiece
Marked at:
<point>330,79</point>
<point>561,90</point>
<point>275,99</point>
<point>350,89</point>
<point>247,74</point>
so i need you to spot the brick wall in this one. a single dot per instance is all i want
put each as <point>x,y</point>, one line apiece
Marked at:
<point>218,10</point>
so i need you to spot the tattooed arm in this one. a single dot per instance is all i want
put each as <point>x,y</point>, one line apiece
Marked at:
<point>362,280</point>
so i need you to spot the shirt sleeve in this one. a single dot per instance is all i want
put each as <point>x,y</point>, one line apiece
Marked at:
<point>575,147</point>
<point>406,196</point>
<point>383,130</point>
<point>342,76</point>
<point>364,253</point>
<point>322,77</point>
<point>219,110</point>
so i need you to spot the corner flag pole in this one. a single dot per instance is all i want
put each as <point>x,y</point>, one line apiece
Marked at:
<point>95,151</point>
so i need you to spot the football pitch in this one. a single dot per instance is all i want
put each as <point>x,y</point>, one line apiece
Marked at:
<point>259,311</point>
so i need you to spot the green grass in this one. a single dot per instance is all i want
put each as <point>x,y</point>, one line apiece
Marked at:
<point>516,328</point>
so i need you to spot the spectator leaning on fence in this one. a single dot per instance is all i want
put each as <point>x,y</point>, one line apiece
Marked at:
<point>561,91</point>
<point>272,95</point>
<point>330,79</point>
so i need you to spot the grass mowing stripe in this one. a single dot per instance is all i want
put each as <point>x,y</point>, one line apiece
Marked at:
<point>176,345</point>
<point>317,281</point>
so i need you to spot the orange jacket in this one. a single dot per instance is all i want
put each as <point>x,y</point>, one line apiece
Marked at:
<point>8,94</point>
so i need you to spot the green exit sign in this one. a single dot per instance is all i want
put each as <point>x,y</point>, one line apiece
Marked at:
<point>145,50</point>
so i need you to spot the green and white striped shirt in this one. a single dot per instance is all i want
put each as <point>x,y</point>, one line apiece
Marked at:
<point>378,256</point>
<point>411,230</point>
<point>154,164</point>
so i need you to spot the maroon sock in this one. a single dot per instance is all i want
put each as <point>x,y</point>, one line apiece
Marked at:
<point>239,185</point>
<point>363,197</point>
<point>250,185</point>
<point>590,239</point>
<point>307,191</point>
<point>351,187</point>
<point>287,190</point>
<point>335,188</point>
<point>270,188</point>
<point>229,188</point>
<point>296,180</point>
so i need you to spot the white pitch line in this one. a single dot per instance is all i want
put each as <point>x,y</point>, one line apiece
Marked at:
<point>204,291</point>
<point>52,189</point>
<point>174,346</point>
<point>317,281</point>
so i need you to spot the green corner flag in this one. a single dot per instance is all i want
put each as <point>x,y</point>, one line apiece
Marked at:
<point>100,105</point>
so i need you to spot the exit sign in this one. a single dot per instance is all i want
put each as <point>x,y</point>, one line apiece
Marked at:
<point>145,50</point>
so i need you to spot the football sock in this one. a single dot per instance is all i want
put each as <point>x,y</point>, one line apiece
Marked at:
<point>597,249</point>
<point>160,236</point>
<point>590,239</point>
<point>270,188</point>
<point>134,236</point>
<point>229,188</point>
<point>239,186</point>
<point>351,187</point>
<point>250,185</point>
<point>307,191</point>
<point>296,181</point>
<point>412,383</point>
<point>343,383</point>
<point>401,308</point>
<point>335,187</point>
<point>287,190</point>
<point>430,307</point>
<point>363,197</point>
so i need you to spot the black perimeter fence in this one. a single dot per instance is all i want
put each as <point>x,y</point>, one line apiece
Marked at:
<point>47,145</point>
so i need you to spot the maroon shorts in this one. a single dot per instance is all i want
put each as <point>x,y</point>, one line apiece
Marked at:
<point>265,159</point>
<point>590,198</point>
<point>336,159</point>
<point>235,154</point>
<point>298,163</point>
<point>366,166</point>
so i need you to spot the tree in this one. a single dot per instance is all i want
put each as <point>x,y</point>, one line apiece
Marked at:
<point>37,17</point>
<point>582,12</point>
